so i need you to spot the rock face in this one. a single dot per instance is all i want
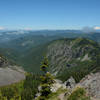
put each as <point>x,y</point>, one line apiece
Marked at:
<point>68,53</point>
<point>69,84</point>
<point>92,84</point>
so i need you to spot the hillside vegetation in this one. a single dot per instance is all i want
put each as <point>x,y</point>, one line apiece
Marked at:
<point>23,90</point>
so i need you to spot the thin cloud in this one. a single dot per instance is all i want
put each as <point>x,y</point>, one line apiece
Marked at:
<point>97,28</point>
<point>2,28</point>
<point>28,29</point>
<point>88,29</point>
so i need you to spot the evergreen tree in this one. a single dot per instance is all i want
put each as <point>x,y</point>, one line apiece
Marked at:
<point>46,80</point>
<point>2,97</point>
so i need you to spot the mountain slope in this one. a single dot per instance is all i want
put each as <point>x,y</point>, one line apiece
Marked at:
<point>73,57</point>
<point>66,53</point>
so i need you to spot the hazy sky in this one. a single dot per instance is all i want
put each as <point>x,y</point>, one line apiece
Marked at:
<point>49,14</point>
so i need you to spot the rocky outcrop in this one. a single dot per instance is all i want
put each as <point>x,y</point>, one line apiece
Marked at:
<point>58,84</point>
<point>70,83</point>
<point>92,84</point>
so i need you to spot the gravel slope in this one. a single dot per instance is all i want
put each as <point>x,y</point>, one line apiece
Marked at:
<point>9,76</point>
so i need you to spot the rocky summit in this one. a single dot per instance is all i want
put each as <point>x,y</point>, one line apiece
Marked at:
<point>92,84</point>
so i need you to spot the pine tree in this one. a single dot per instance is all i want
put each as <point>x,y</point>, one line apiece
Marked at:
<point>2,97</point>
<point>46,80</point>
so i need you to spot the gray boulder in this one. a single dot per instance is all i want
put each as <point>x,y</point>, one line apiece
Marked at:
<point>70,83</point>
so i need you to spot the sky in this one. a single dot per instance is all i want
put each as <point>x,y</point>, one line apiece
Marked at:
<point>49,14</point>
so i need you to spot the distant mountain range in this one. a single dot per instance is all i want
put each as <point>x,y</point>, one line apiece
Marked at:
<point>6,35</point>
